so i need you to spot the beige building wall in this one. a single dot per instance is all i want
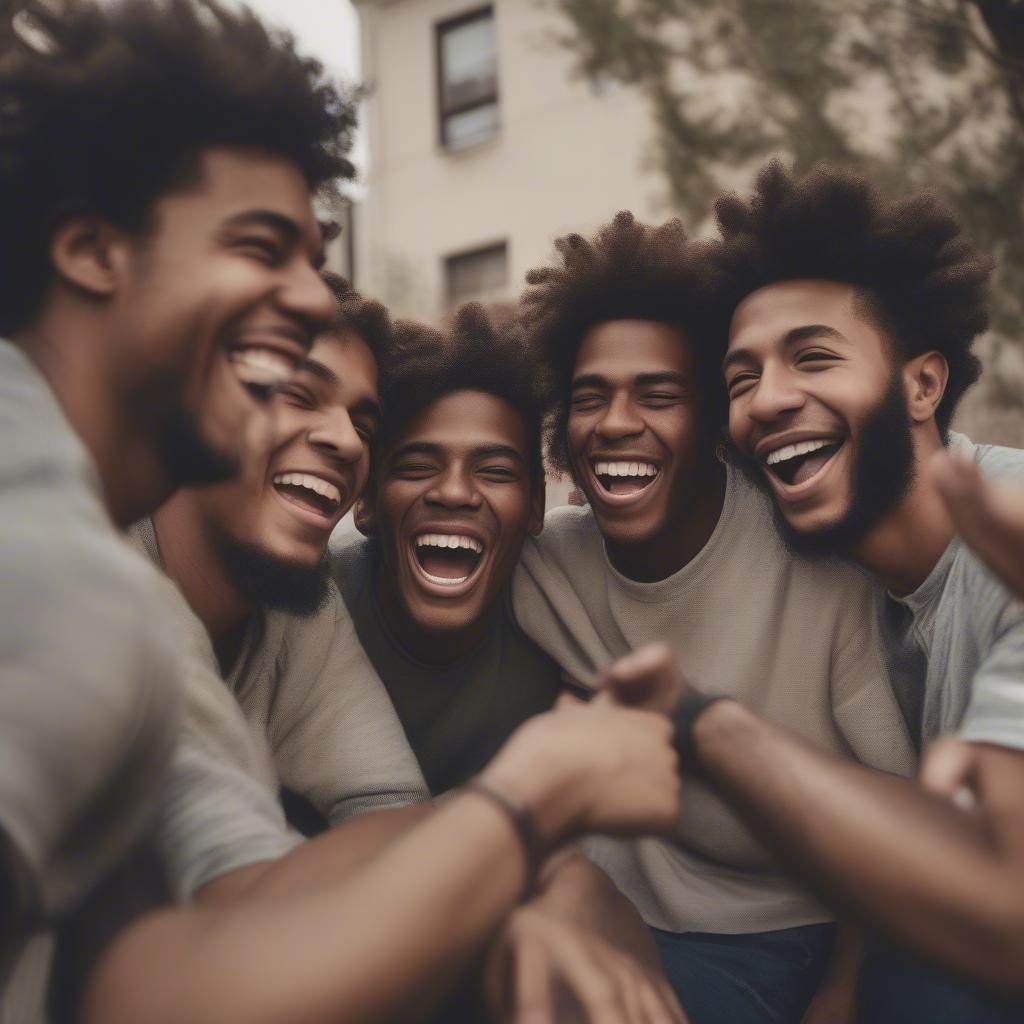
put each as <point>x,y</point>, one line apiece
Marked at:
<point>567,155</point>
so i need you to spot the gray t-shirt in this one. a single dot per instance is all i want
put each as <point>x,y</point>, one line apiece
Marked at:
<point>89,667</point>
<point>793,639</point>
<point>957,642</point>
<point>301,706</point>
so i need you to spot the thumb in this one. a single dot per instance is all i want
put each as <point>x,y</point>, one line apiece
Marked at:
<point>649,678</point>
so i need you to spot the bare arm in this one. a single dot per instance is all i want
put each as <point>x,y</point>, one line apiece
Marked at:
<point>881,848</point>
<point>368,947</point>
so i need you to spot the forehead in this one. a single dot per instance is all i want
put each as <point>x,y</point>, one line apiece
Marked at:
<point>233,182</point>
<point>350,364</point>
<point>765,317</point>
<point>463,420</point>
<point>619,350</point>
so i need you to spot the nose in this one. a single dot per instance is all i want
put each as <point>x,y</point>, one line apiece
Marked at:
<point>454,489</point>
<point>335,435</point>
<point>776,395</point>
<point>306,297</point>
<point>619,420</point>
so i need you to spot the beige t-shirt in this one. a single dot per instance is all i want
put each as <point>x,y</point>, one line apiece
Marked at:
<point>794,639</point>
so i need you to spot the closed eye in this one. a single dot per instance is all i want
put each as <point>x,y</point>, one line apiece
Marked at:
<point>296,396</point>
<point>816,356</point>
<point>741,383</point>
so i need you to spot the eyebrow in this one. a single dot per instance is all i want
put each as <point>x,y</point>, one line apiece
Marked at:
<point>324,373</point>
<point>482,451</point>
<point>791,337</point>
<point>281,223</point>
<point>595,380</point>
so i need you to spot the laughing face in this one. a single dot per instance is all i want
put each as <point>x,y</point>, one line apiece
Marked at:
<point>453,504</point>
<point>634,430</point>
<point>816,405</point>
<point>274,522</point>
<point>221,302</point>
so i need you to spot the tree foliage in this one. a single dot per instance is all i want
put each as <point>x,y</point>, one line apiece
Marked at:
<point>914,93</point>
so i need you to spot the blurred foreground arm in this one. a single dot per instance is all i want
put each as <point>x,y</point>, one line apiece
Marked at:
<point>367,947</point>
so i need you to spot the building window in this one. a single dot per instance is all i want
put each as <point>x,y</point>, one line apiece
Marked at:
<point>467,79</point>
<point>479,274</point>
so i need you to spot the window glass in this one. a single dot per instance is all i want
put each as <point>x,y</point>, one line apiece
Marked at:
<point>480,274</point>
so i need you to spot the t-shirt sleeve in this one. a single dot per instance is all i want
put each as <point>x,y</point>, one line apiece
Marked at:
<point>88,698</point>
<point>219,809</point>
<point>995,713</point>
<point>864,706</point>
<point>336,736</point>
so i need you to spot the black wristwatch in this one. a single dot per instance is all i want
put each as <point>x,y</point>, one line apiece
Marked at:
<point>691,705</point>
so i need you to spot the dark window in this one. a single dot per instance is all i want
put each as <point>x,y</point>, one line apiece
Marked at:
<point>467,79</point>
<point>479,274</point>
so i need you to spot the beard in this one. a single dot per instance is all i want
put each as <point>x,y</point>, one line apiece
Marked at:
<point>274,582</point>
<point>187,456</point>
<point>882,474</point>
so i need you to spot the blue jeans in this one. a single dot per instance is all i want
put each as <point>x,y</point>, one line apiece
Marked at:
<point>894,989</point>
<point>759,978</point>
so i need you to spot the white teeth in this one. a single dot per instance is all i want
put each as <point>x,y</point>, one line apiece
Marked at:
<point>261,366</point>
<point>443,580</point>
<point>449,540</point>
<point>791,451</point>
<point>625,469</point>
<point>313,483</point>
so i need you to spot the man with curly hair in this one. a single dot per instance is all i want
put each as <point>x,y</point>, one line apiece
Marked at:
<point>677,546</point>
<point>158,162</point>
<point>850,321</point>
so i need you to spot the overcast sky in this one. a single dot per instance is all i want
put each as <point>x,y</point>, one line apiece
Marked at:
<point>325,29</point>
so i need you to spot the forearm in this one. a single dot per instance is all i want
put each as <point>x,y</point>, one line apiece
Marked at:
<point>576,890</point>
<point>874,845</point>
<point>362,950</point>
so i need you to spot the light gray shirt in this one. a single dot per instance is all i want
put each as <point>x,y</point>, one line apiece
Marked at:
<point>302,706</point>
<point>969,631</point>
<point>89,673</point>
<point>793,639</point>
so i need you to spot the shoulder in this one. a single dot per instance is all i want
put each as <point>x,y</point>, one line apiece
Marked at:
<point>993,460</point>
<point>568,528</point>
<point>350,559</point>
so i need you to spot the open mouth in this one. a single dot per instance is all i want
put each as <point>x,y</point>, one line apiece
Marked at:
<point>447,559</point>
<point>796,464</point>
<point>625,478</point>
<point>309,492</point>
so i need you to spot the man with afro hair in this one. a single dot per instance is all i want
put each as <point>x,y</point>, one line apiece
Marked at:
<point>850,320</point>
<point>677,546</point>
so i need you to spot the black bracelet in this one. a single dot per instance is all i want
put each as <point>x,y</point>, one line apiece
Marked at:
<point>533,851</point>
<point>690,707</point>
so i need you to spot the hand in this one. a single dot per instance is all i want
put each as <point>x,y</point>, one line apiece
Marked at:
<point>988,514</point>
<point>648,677</point>
<point>950,769</point>
<point>592,768</point>
<point>832,1005</point>
<point>540,966</point>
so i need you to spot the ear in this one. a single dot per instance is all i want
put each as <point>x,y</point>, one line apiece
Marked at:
<point>363,516</point>
<point>90,254</point>
<point>538,495</point>
<point>924,384</point>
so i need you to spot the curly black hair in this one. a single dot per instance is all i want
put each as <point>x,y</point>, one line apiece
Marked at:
<point>104,108</point>
<point>481,351</point>
<point>363,316</point>
<point>627,271</point>
<point>921,280</point>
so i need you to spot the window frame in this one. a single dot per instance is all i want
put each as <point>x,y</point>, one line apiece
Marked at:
<point>441,28</point>
<point>501,244</point>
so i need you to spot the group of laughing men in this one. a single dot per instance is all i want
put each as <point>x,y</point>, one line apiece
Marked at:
<point>628,762</point>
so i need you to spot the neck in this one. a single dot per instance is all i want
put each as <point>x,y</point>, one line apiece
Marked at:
<point>903,547</point>
<point>435,647</point>
<point>68,349</point>
<point>190,558</point>
<point>660,557</point>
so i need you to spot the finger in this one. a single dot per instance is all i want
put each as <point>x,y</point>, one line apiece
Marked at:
<point>668,1002</point>
<point>531,994</point>
<point>648,677</point>
<point>593,987</point>
<point>947,766</point>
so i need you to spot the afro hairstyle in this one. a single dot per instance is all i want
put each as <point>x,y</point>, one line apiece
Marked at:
<point>106,107</point>
<point>627,271</point>
<point>367,318</point>
<point>922,282</point>
<point>481,351</point>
